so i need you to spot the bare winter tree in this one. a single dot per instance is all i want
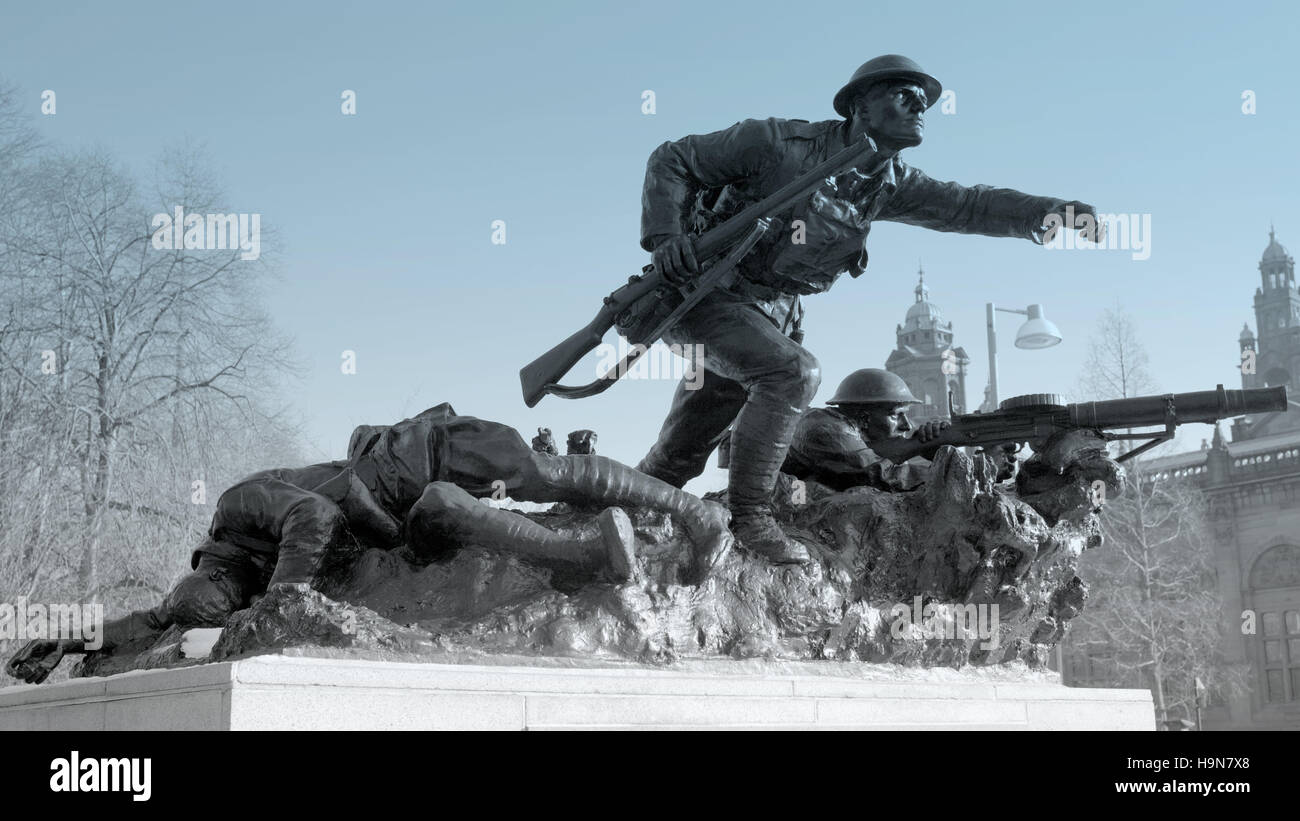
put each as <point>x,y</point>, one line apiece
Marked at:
<point>1116,365</point>
<point>136,382</point>
<point>1154,605</point>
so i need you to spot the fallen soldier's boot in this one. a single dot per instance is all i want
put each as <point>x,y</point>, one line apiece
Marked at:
<point>620,542</point>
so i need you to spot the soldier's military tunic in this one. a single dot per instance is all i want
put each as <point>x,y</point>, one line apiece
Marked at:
<point>396,462</point>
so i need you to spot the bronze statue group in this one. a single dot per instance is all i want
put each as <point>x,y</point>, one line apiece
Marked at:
<point>420,482</point>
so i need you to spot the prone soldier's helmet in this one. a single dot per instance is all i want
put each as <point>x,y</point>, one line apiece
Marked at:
<point>873,385</point>
<point>207,596</point>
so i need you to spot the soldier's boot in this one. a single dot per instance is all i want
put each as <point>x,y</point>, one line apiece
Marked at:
<point>447,515</point>
<point>604,481</point>
<point>759,443</point>
<point>619,540</point>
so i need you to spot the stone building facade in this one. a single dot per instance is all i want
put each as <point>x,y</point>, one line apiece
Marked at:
<point>1252,486</point>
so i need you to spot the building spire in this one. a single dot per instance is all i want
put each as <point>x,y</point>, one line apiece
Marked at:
<point>922,293</point>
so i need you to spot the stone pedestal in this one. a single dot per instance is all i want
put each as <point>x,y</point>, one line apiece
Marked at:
<point>295,692</point>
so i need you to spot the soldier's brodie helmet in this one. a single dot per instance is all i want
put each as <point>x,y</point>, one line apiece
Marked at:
<point>873,386</point>
<point>207,596</point>
<point>886,67</point>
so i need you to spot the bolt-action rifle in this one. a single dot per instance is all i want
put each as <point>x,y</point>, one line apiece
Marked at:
<point>728,242</point>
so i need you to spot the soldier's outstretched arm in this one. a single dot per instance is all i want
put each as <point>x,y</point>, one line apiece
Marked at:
<point>978,209</point>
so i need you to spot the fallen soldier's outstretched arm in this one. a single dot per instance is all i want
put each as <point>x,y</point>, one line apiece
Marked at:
<point>37,659</point>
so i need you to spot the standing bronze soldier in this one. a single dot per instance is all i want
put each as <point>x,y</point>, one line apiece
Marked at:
<point>759,378</point>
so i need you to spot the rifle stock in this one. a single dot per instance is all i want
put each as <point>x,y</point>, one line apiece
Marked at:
<point>540,376</point>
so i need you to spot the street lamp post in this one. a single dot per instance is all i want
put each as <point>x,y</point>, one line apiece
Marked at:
<point>1037,332</point>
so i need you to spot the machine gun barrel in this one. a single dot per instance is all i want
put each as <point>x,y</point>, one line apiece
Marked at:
<point>1034,422</point>
<point>1195,406</point>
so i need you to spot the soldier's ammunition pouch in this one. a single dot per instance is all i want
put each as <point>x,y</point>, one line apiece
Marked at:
<point>835,222</point>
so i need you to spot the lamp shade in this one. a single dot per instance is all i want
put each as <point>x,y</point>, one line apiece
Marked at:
<point>1037,332</point>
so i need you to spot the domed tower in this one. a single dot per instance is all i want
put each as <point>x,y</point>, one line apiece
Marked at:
<point>1277,316</point>
<point>927,360</point>
<point>1277,345</point>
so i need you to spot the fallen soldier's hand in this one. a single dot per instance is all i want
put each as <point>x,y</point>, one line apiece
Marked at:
<point>34,663</point>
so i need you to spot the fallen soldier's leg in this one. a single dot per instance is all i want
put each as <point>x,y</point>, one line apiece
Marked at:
<point>481,457</point>
<point>597,479</point>
<point>447,517</point>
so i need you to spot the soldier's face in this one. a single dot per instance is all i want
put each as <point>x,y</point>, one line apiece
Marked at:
<point>886,422</point>
<point>897,116</point>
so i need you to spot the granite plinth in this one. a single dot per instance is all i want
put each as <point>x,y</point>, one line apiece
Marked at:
<point>288,692</point>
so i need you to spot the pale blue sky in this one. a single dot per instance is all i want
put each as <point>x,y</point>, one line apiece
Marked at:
<point>531,113</point>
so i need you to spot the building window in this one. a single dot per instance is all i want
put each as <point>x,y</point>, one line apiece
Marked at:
<point>1281,637</point>
<point>1274,583</point>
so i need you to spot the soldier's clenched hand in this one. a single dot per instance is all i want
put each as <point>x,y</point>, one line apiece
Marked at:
<point>1074,216</point>
<point>674,257</point>
<point>34,663</point>
<point>931,429</point>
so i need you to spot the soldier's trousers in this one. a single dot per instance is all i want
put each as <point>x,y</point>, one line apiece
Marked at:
<point>755,379</point>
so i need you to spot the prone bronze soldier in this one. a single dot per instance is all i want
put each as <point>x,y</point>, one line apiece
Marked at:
<point>275,527</point>
<point>758,379</point>
<point>833,445</point>
<point>417,482</point>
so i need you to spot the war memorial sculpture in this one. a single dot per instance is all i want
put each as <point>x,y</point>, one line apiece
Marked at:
<point>840,537</point>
